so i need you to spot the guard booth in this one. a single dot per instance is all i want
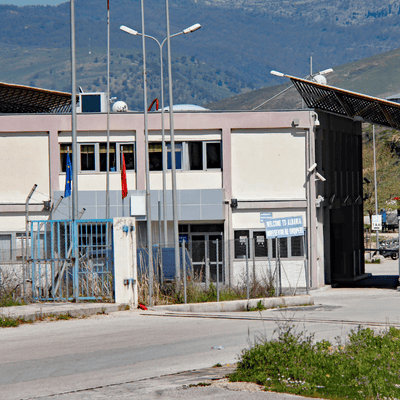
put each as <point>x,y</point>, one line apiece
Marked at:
<point>338,154</point>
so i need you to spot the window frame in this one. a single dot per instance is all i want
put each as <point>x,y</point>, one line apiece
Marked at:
<point>97,146</point>
<point>182,146</point>
<point>271,249</point>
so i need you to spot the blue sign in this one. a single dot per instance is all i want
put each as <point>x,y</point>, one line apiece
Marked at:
<point>183,237</point>
<point>284,227</point>
<point>265,216</point>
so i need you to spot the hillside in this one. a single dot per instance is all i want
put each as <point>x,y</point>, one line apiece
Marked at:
<point>239,43</point>
<point>193,80</point>
<point>375,76</point>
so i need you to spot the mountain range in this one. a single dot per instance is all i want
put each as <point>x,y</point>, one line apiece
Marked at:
<point>232,54</point>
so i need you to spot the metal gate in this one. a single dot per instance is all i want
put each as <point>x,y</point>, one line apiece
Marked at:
<point>72,260</point>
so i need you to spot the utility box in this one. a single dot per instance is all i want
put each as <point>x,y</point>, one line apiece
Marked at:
<point>125,266</point>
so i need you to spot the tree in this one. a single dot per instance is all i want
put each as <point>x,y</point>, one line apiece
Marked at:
<point>387,170</point>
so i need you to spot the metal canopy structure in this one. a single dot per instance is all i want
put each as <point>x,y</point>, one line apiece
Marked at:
<point>350,104</point>
<point>25,99</point>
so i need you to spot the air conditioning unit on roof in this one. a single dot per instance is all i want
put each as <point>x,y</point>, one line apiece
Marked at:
<point>92,103</point>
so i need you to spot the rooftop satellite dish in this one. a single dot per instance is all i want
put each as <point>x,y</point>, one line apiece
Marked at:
<point>320,79</point>
<point>120,106</point>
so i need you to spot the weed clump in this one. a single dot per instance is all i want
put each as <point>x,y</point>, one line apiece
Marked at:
<point>367,366</point>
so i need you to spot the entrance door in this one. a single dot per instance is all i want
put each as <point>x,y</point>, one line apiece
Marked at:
<point>204,256</point>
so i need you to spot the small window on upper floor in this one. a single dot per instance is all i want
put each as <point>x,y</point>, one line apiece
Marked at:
<point>88,159</point>
<point>64,149</point>
<point>155,156</point>
<point>93,156</point>
<point>178,156</point>
<point>204,155</point>
<point>213,155</point>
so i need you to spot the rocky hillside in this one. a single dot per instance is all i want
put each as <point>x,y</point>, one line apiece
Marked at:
<point>239,43</point>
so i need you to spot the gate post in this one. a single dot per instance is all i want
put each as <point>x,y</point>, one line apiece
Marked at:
<point>125,262</point>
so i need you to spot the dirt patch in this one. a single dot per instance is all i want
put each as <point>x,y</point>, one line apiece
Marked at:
<point>237,386</point>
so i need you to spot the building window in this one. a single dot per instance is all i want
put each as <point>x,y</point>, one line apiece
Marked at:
<point>155,156</point>
<point>260,247</point>
<point>241,237</point>
<point>103,157</point>
<point>204,155</point>
<point>260,244</point>
<point>195,152</point>
<point>189,156</point>
<point>64,149</point>
<point>213,155</point>
<point>297,246</point>
<point>128,151</point>
<point>88,160</point>
<point>178,156</point>
<point>6,247</point>
<point>93,156</point>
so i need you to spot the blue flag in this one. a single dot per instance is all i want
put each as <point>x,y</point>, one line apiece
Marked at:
<point>68,177</point>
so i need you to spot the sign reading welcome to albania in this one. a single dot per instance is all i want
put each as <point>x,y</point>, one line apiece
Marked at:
<point>284,227</point>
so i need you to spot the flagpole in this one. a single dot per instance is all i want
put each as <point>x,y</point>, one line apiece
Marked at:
<point>146,137</point>
<point>108,115</point>
<point>73,122</point>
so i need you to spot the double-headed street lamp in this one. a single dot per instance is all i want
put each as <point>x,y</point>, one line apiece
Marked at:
<point>190,29</point>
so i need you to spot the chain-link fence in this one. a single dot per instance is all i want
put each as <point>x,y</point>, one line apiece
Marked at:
<point>254,265</point>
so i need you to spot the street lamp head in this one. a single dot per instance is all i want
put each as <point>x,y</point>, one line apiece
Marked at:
<point>192,28</point>
<point>128,30</point>
<point>276,73</point>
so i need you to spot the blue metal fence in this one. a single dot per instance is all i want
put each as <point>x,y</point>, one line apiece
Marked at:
<point>72,260</point>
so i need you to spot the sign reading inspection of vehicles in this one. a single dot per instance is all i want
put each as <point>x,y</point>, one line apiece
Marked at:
<point>284,227</point>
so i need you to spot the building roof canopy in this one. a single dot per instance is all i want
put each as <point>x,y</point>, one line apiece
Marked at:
<point>347,103</point>
<point>25,99</point>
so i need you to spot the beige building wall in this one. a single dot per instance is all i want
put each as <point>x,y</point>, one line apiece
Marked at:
<point>25,161</point>
<point>268,164</point>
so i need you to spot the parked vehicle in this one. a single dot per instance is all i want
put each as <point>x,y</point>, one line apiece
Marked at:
<point>390,221</point>
<point>389,248</point>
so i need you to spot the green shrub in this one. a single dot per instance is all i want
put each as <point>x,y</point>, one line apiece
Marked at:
<point>366,367</point>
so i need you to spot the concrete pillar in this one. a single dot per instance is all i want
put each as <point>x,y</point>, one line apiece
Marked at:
<point>125,265</point>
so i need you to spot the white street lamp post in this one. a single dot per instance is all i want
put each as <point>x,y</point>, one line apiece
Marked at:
<point>192,28</point>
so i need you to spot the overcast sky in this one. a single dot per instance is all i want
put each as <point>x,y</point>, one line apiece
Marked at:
<point>32,2</point>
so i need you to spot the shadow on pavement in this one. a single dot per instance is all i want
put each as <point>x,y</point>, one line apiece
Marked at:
<point>374,281</point>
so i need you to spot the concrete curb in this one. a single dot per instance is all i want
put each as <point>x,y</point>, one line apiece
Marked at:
<point>36,311</point>
<point>238,305</point>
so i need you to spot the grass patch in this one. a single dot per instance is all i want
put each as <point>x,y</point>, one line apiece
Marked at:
<point>201,384</point>
<point>258,307</point>
<point>8,301</point>
<point>367,366</point>
<point>373,261</point>
<point>9,322</point>
<point>63,317</point>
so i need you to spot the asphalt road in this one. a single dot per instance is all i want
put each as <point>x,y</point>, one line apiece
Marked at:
<point>135,355</point>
